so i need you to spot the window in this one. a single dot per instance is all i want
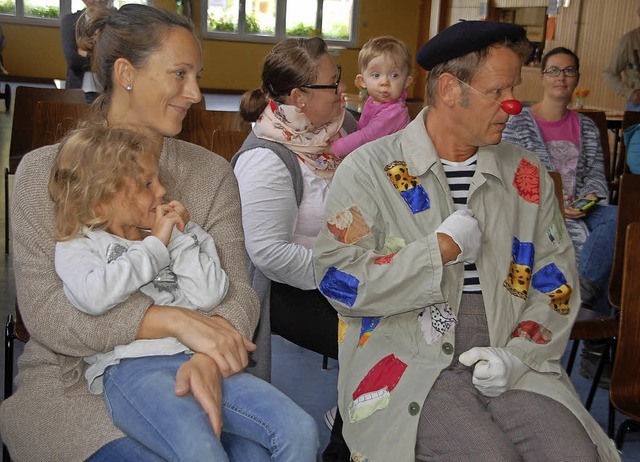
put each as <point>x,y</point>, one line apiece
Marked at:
<point>273,20</point>
<point>45,12</point>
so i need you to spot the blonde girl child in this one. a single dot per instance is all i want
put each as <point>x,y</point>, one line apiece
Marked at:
<point>116,236</point>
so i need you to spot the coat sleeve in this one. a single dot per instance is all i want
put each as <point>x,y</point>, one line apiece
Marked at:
<point>195,262</point>
<point>544,321</point>
<point>95,286</point>
<point>612,74</point>
<point>591,173</point>
<point>353,269</point>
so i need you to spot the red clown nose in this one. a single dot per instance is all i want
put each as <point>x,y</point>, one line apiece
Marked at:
<point>511,106</point>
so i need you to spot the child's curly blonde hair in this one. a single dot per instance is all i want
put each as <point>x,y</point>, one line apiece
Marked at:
<point>93,164</point>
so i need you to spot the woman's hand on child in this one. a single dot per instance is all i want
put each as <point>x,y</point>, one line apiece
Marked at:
<point>217,338</point>
<point>201,376</point>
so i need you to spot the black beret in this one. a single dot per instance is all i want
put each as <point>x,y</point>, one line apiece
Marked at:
<point>463,38</point>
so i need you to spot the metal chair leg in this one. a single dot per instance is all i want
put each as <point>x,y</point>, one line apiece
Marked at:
<point>596,379</point>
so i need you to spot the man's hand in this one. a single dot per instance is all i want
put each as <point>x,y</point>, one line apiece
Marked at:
<point>201,376</point>
<point>463,229</point>
<point>496,370</point>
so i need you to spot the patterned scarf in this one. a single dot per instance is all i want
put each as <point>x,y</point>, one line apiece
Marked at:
<point>285,124</point>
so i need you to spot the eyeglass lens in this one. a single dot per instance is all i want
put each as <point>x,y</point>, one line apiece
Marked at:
<point>555,71</point>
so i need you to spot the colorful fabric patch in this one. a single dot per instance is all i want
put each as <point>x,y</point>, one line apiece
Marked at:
<point>554,231</point>
<point>342,330</point>
<point>366,329</point>
<point>393,244</point>
<point>435,321</point>
<point>348,226</point>
<point>357,457</point>
<point>373,392</point>
<point>533,332</point>
<point>408,186</point>
<point>339,286</point>
<point>527,181</point>
<point>385,260</point>
<point>550,281</point>
<point>519,277</point>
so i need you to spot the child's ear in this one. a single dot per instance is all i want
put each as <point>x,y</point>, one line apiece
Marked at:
<point>360,81</point>
<point>408,82</point>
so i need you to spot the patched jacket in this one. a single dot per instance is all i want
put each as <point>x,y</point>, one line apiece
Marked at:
<point>378,262</point>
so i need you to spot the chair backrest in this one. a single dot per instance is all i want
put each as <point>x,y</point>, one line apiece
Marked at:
<point>199,125</point>
<point>24,117</point>
<point>414,107</point>
<point>625,380</point>
<point>600,119</point>
<point>227,142</point>
<point>628,212</point>
<point>54,119</point>
<point>557,183</point>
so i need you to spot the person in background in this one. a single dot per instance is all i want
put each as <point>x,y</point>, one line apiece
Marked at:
<point>445,254</point>
<point>385,72</point>
<point>149,62</point>
<point>622,74</point>
<point>284,174</point>
<point>569,143</point>
<point>3,45</point>
<point>76,53</point>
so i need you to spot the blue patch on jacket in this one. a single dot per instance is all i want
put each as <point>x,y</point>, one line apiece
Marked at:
<point>339,286</point>
<point>416,198</point>
<point>548,278</point>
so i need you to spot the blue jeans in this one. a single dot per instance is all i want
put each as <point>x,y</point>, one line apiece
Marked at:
<point>259,422</point>
<point>597,252</point>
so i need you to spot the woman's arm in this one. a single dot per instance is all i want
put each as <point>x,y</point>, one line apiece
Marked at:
<point>270,213</point>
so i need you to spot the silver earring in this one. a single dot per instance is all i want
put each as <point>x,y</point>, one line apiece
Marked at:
<point>128,88</point>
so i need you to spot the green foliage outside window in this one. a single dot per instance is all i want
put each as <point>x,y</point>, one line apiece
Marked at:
<point>31,10</point>
<point>300,30</point>
<point>337,33</point>
<point>8,8</point>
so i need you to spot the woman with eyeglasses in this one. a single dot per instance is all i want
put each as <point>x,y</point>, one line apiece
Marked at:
<point>284,174</point>
<point>569,143</point>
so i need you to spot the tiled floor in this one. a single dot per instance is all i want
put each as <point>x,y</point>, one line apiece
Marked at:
<point>292,365</point>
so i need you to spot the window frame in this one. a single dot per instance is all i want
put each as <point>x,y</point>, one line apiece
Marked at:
<point>280,32</point>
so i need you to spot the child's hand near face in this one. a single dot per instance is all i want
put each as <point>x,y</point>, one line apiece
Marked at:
<point>168,216</point>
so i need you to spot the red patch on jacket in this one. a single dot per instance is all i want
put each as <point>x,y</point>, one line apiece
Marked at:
<point>527,181</point>
<point>533,332</point>
<point>385,260</point>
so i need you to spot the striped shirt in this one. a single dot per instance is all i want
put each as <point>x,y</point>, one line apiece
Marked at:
<point>459,176</point>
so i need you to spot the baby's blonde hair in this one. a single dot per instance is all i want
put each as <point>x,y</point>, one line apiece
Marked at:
<point>93,164</point>
<point>385,44</point>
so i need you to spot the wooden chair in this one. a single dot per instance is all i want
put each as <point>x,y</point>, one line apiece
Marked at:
<point>414,106</point>
<point>589,325</point>
<point>628,212</point>
<point>199,125</point>
<point>22,129</point>
<point>54,120</point>
<point>227,142</point>
<point>625,379</point>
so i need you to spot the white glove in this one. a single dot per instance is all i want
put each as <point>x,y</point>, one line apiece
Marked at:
<point>496,369</point>
<point>463,228</point>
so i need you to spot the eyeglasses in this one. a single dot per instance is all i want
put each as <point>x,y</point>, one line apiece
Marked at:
<point>326,86</point>
<point>555,71</point>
